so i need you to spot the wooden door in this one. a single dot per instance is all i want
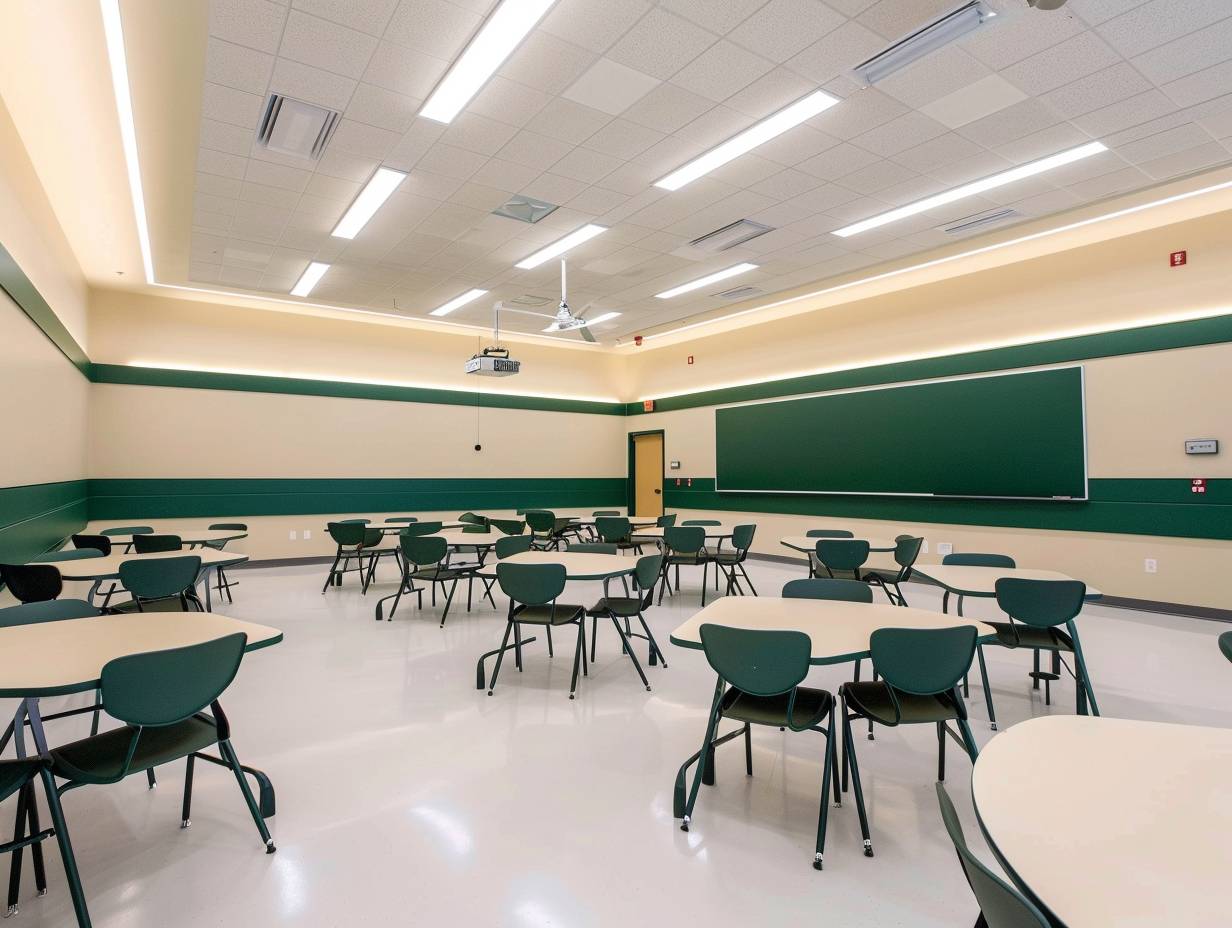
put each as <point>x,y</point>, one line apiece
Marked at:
<point>648,474</point>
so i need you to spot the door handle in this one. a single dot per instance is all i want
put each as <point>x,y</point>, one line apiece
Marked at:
<point>657,492</point>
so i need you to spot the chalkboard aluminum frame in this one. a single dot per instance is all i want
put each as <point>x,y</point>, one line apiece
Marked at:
<point>1082,403</point>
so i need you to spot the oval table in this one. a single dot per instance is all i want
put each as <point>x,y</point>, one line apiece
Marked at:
<point>1132,825</point>
<point>481,543</point>
<point>98,569</point>
<point>189,535</point>
<point>806,545</point>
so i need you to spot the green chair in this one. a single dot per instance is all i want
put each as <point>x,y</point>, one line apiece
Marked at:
<point>509,526</point>
<point>166,584</point>
<point>355,521</point>
<point>393,520</point>
<point>545,528</point>
<point>533,590</point>
<point>590,547</point>
<point>815,567</point>
<point>349,537</point>
<point>758,683</point>
<point>841,555</point>
<point>683,546</point>
<point>598,513</point>
<point>506,547</point>
<point>1001,906</point>
<point>731,563</point>
<point>32,583</point>
<point>706,522</point>
<point>972,559</point>
<point>425,557</point>
<point>1037,610</point>
<point>375,548</point>
<point>850,591</point>
<point>906,551</point>
<point>627,607</point>
<point>128,530</point>
<point>418,529</point>
<point>223,583</point>
<point>666,521</point>
<point>99,543</point>
<point>617,530</point>
<point>920,669</point>
<point>154,544</point>
<point>1225,644</point>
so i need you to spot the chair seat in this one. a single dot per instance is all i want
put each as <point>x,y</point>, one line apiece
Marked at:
<point>884,574</point>
<point>624,606</point>
<point>545,615</point>
<point>14,774</point>
<point>872,700</point>
<point>170,604</point>
<point>726,557</point>
<point>1028,636</point>
<point>379,549</point>
<point>811,707</point>
<point>694,560</point>
<point>445,574</point>
<point>100,759</point>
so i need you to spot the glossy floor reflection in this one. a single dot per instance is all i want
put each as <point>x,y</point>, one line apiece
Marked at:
<point>407,797</point>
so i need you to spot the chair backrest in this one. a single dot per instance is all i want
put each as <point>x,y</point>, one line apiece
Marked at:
<point>684,539</point>
<point>347,534</point>
<point>476,528</point>
<point>646,573</point>
<point>373,537</point>
<point>160,578</point>
<point>228,527</point>
<point>1225,644</point>
<point>148,544</point>
<point>99,543</point>
<point>666,521</point>
<point>128,530</point>
<point>531,584</point>
<point>701,522</point>
<point>541,521</point>
<point>1040,603</point>
<point>742,537</point>
<point>923,661</point>
<point>402,519</point>
<point>1001,905</point>
<point>592,547</point>
<point>354,521</point>
<point>842,553</point>
<point>52,610</point>
<point>423,550</point>
<point>613,528</point>
<point>605,512</point>
<point>828,533</point>
<point>757,661</point>
<point>974,559</point>
<point>509,526</point>
<point>848,591</point>
<point>32,583</point>
<point>470,518</point>
<point>906,550</point>
<point>164,687</point>
<point>414,529</point>
<point>513,544</point>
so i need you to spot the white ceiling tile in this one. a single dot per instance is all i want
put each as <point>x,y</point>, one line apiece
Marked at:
<point>1155,146</point>
<point>206,221</point>
<point>478,133</point>
<point>218,185</point>
<point>254,23</point>
<point>236,66</point>
<point>362,139</point>
<point>721,71</point>
<point>899,134</point>
<point>240,277</point>
<point>968,169</point>
<point>1050,201</point>
<point>770,93</point>
<point>275,175</point>
<point>894,19</point>
<point>1215,116</point>
<point>370,16</point>
<point>255,230</point>
<point>567,121</point>
<point>224,137</point>
<point>1098,11</point>
<point>547,63</point>
<point>597,201</point>
<point>324,210</point>
<point>800,144</point>
<point>508,102</point>
<point>623,139</point>
<point>716,125</point>
<point>934,77</point>
<point>836,161</point>
<point>660,44</point>
<point>414,144</point>
<point>746,170</point>
<point>836,52</point>
<point>1194,52</point>
<point>433,186</point>
<point>851,7</point>
<point>326,45</point>
<point>433,27</point>
<point>667,108</point>
<point>1016,34</point>
<point>228,105</point>
<point>451,161</point>
<point>873,177</point>
<point>507,175</point>
<point>1155,126</point>
<point>1202,86</point>
<point>1131,112</point>
<point>937,152</point>
<point>717,17</point>
<point>1012,122</point>
<point>338,163</point>
<point>593,24</point>
<point>826,197</point>
<point>203,272</point>
<point>610,87</point>
<point>1160,21</point>
<point>1184,162</point>
<point>864,110</point>
<point>586,165</point>
<point>1043,143</point>
<point>786,184</point>
<point>632,178</point>
<point>533,150</point>
<point>404,71</point>
<point>384,108</point>
<point>1077,57</point>
<point>332,188</point>
<point>982,98</point>
<point>554,188</point>
<point>209,203</point>
<point>1096,91</point>
<point>1106,185</point>
<point>247,254</point>
<point>217,162</point>
<point>479,196</point>
<point>263,194</point>
<point>311,84</point>
<point>783,28</point>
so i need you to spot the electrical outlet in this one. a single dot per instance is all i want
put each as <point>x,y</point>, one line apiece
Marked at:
<point>1150,565</point>
<point>924,547</point>
<point>292,534</point>
<point>944,548</point>
<point>307,534</point>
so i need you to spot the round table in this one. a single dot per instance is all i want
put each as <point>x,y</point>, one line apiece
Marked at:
<point>98,569</point>
<point>808,545</point>
<point>578,565</point>
<point>188,535</point>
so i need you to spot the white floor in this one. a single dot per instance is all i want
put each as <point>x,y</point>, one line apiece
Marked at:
<point>408,797</point>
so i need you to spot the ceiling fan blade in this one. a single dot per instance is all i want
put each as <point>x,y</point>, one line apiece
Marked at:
<point>585,332</point>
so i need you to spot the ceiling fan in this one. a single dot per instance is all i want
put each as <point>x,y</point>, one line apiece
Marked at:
<point>565,319</point>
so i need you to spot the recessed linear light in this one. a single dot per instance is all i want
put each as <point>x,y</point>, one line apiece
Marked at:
<point>561,245</point>
<point>456,302</point>
<point>705,281</point>
<point>603,317</point>
<point>979,186</point>
<point>310,278</point>
<point>496,40</point>
<point>378,189</point>
<point>786,118</point>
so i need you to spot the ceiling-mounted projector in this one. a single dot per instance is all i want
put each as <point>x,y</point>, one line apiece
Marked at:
<point>1046,4</point>
<point>493,362</point>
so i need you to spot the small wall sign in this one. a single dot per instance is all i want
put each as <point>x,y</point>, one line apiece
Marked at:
<point>1178,258</point>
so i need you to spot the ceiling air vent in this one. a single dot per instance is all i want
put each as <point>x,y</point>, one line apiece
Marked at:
<point>740,293</point>
<point>739,232</point>
<point>525,209</point>
<point>531,299</point>
<point>979,220</point>
<point>295,128</point>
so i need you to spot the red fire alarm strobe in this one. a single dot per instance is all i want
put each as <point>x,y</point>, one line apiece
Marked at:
<point>637,340</point>
<point>1177,258</point>
<point>647,405</point>
<point>690,359</point>
<point>1197,485</point>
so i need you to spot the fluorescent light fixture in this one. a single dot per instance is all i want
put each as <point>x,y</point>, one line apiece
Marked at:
<point>310,278</point>
<point>456,302</point>
<point>561,245</point>
<point>496,40</point>
<point>978,186</point>
<point>602,317</point>
<point>113,31</point>
<point>935,35</point>
<point>746,141</point>
<point>707,280</point>
<point>384,182</point>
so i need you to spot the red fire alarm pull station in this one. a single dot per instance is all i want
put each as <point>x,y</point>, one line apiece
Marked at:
<point>637,340</point>
<point>690,481</point>
<point>690,359</point>
<point>1197,485</point>
<point>1178,258</point>
<point>647,405</point>
<point>677,481</point>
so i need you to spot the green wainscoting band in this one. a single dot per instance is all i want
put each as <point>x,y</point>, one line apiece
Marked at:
<point>39,517</point>
<point>17,285</point>
<point>1162,337</point>
<point>1163,507</point>
<point>124,498</point>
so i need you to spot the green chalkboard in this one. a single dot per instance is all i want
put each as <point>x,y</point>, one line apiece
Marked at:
<point>1008,435</point>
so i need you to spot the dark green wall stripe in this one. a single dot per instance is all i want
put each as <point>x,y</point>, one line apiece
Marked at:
<point>1124,506</point>
<point>38,517</point>
<point>1059,351</point>
<point>17,285</point>
<point>203,380</point>
<point>172,498</point>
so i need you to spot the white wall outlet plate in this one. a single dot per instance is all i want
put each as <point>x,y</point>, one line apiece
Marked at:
<point>307,534</point>
<point>944,548</point>
<point>292,534</point>
<point>1150,565</point>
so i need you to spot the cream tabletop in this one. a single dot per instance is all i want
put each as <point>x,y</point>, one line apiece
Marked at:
<point>839,630</point>
<point>108,568</point>
<point>982,581</point>
<point>50,658</point>
<point>809,545</point>
<point>578,566</point>
<point>393,528</point>
<point>190,536</point>
<point>457,537</point>
<point>712,531</point>
<point>1138,827</point>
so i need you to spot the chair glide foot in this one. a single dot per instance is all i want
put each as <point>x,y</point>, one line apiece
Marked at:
<point>12,910</point>
<point>185,823</point>
<point>269,846</point>
<point>817,865</point>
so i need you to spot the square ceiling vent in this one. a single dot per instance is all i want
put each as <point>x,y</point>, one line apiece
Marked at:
<point>526,209</point>
<point>295,128</point>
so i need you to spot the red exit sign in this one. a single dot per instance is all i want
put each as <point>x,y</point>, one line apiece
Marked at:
<point>1178,258</point>
<point>1197,485</point>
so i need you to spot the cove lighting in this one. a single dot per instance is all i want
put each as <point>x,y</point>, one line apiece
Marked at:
<point>978,186</point>
<point>604,317</point>
<point>310,278</point>
<point>746,141</point>
<point>457,302</point>
<point>561,245</point>
<point>496,40</point>
<point>707,280</point>
<point>384,182</point>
